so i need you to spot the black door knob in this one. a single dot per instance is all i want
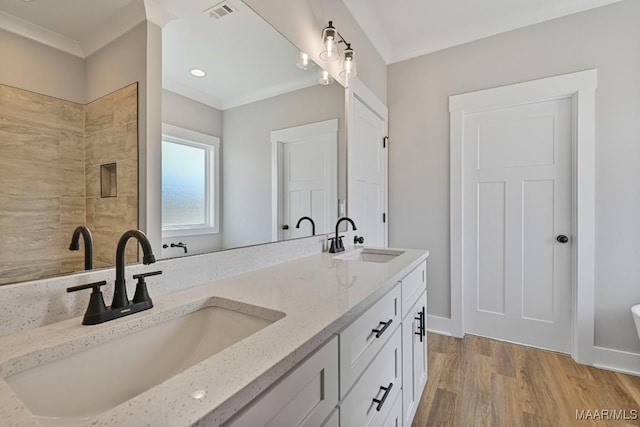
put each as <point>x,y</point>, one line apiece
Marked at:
<point>562,238</point>
<point>285,227</point>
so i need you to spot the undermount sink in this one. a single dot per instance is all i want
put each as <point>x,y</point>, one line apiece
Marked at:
<point>370,255</point>
<point>87,383</point>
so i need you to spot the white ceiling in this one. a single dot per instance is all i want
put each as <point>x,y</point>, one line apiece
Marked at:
<point>244,57</point>
<point>403,29</point>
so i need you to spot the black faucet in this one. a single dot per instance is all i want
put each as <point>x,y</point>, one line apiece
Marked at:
<point>88,245</point>
<point>120,298</point>
<point>313,224</point>
<point>97,312</point>
<point>336,242</point>
<point>176,245</point>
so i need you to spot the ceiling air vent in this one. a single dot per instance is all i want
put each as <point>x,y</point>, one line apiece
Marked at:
<point>220,10</point>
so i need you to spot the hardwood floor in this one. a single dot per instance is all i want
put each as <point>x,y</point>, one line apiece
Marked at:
<point>481,382</point>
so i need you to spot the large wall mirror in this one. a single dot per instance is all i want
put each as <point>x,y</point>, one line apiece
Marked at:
<point>263,143</point>
<point>279,133</point>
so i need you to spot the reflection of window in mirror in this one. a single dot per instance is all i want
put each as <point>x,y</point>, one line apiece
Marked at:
<point>190,189</point>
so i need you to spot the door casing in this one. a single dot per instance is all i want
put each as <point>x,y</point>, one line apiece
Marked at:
<point>580,88</point>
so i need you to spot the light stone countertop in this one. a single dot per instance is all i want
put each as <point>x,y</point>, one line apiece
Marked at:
<point>319,296</point>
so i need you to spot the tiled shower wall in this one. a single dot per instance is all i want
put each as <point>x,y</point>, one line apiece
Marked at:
<point>43,158</point>
<point>41,184</point>
<point>111,135</point>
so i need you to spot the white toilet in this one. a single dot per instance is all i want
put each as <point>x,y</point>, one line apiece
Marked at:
<point>635,310</point>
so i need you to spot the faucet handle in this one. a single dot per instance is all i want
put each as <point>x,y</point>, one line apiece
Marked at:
<point>96,308</point>
<point>143,275</point>
<point>142,295</point>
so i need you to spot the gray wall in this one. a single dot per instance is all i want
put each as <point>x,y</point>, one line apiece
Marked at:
<point>184,112</point>
<point>606,38</point>
<point>246,156</point>
<point>33,66</point>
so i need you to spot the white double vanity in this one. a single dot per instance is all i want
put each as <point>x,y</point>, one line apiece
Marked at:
<point>314,341</point>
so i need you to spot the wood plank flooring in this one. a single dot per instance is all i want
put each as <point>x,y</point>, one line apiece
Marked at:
<point>482,382</point>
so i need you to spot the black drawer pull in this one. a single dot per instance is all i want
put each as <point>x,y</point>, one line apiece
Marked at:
<point>424,321</point>
<point>380,402</point>
<point>379,332</point>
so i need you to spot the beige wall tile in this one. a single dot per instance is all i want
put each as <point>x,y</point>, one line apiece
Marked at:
<point>11,272</point>
<point>99,115</point>
<point>22,142</point>
<point>72,211</point>
<point>73,116</point>
<point>41,245</point>
<point>71,147</point>
<point>29,178</point>
<point>126,105</point>
<point>127,178</point>
<point>93,181</point>
<point>104,247</point>
<point>29,213</point>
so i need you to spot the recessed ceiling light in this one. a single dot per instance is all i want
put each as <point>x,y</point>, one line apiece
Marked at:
<point>198,72</point>
<point>199,394</point>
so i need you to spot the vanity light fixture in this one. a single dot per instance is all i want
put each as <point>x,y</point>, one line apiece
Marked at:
<point>196,72</point>
<point>331,39</point>
<point>324,78</point>
<point>304,62</point>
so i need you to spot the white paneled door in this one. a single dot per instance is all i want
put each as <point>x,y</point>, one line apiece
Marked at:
<point>367,174</point>
<point>517,223</point>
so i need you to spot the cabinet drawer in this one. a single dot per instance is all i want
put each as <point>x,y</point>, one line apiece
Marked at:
<point>359,408</point>
<point>304,397</point>
<point>413,285</point>
<point>359,343</point>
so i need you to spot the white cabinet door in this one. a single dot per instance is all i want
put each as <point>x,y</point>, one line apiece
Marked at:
<point>414,358</point>
<point>370,401</point>
<point>304,397</point>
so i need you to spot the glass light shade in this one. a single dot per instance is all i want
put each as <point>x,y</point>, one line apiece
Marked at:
<point>324,78</point>
<point>348,65</point>
<point>329,44</point>
<point>304,62</point>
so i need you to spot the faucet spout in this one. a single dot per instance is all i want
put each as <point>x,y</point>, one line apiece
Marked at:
<point>336,244</point>
<point>120,298</point>
<point>88,245</point>
<point>313,224</point>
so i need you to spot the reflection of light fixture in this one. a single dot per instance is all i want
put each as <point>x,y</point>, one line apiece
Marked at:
<point>325,78</point>
<point>196,72</point>
<point>331,39</point>
<point>304,62</point>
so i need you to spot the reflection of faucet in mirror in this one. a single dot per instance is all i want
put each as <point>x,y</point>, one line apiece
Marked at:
<point>176,245</point>
<point>313,224</point>
<point>336,242</point>
<point>88,245</point>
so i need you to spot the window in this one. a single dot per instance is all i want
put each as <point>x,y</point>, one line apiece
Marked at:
<point>190,189</point>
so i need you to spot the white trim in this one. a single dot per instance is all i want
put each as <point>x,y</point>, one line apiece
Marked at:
<point>190,137</point>
<point>439,325</point>
<point>616,360</point>
<point>358,90</point>
<point>293,134</point>
<point>579,86</point>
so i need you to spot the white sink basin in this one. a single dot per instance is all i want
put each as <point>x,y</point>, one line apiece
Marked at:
<point>635,310</point>
<point>84,384</point>
<point>370,255</point>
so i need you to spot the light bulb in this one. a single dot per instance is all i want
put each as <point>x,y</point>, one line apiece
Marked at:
<point>349,64</point>
<point>325,78</point>
<point>304,62</point>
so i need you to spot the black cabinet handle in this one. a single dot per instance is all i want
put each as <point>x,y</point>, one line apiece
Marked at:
<point>379,332</point>
<point>380,402</point>
<point>419,331</point>
<point>424,321</point>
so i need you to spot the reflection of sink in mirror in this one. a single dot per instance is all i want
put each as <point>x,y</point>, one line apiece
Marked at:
<point>370,255</point>
<point>84,384</point>
<point>635,310</point>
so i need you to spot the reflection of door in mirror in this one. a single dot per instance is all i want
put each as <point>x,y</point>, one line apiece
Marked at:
<point>304,171</point>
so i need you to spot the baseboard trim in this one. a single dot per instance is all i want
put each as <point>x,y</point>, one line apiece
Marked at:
<point>439,325</point>
<point>616,360</point>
